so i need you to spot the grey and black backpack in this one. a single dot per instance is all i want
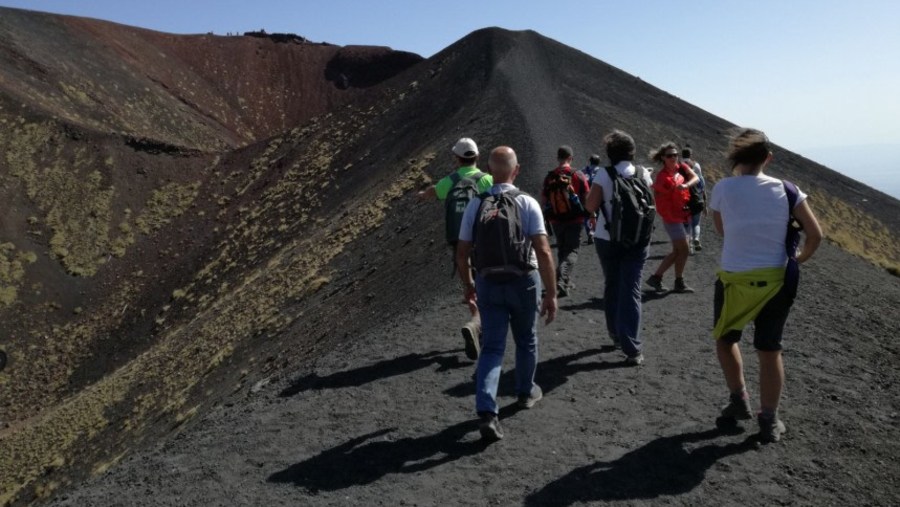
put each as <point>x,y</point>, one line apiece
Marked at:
<point>502,248</point>
<point>633,210</point>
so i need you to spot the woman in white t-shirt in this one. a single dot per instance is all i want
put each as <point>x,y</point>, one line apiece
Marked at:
<point>622,266</point>
<point>752,211</point>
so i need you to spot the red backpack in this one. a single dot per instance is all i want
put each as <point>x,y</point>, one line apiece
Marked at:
<point>562,201</point>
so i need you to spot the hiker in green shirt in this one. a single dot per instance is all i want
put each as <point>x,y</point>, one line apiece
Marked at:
<point>456,190</point>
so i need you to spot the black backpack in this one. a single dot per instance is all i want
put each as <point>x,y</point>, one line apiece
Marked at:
<point>696,203</point>
<point>633,210</point>
<point>501,248</point>
<point>792,241</point>
<point>462,191</point>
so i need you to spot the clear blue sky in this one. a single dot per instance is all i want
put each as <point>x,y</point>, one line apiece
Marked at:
<point>816,75</point>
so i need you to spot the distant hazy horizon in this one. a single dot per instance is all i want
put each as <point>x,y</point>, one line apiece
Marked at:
<point>876,165</point>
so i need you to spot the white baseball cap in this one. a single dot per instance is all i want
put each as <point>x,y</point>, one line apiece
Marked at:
<point>465,148</point>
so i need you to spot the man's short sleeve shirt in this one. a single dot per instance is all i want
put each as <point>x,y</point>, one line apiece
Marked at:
<point>442,187</point>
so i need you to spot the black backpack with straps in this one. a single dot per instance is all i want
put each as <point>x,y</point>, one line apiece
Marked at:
<point>695,204</point>
<point>633,209</point>
<point>502,249</point>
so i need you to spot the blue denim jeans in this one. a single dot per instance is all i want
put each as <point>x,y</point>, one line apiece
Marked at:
<point>505,305</point>
<point>622,269</point>
<point>694,227</point>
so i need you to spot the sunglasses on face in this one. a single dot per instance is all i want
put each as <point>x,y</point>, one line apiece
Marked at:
<point>671,155</point>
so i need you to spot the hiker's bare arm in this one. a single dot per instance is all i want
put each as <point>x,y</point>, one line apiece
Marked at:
<point>428,194</point>
<point>463,251</point>
<point>585,186</point>
<point>811,230</point>
<point>692,180</point>
<point>717,221</point>
<point>547,270</point>
<point>594,198</point>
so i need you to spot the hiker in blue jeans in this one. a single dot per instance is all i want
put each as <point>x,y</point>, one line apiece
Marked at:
<point>622,267</point>
<point>509,302</point>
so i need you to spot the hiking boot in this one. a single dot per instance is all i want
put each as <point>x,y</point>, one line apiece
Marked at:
<point>471,333</point>
<point>528,401</point>
<point>697,246</point>
<point>615,343</point>
<point>656,282</point>
<point>561,290</point>
<point>490,427</point>
<point>635,360</point>
<point>681,287</point>
<point>738,409</point>
<point>770,428</point>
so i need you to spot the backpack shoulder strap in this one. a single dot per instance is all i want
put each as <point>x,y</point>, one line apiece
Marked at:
<point>792,236</point>
<point>792,194</point>
<point>514,193</point>
<point>611,171</point>
<point>639,172</point>
<point>471,179</point>
<point>545,186</point>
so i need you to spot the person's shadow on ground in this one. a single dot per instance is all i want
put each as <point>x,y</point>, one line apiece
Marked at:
<point>599,304</point>
<point>593,303</point>
<point>367,458</point>
<point>652,295</point>
<point>662,467</point>
<point>551,373</point>
<point>380,370</point>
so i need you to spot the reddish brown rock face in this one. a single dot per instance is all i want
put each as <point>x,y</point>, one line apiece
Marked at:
<point>202,91</point>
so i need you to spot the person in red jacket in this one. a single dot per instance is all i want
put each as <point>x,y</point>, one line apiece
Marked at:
<point>671,191</point>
